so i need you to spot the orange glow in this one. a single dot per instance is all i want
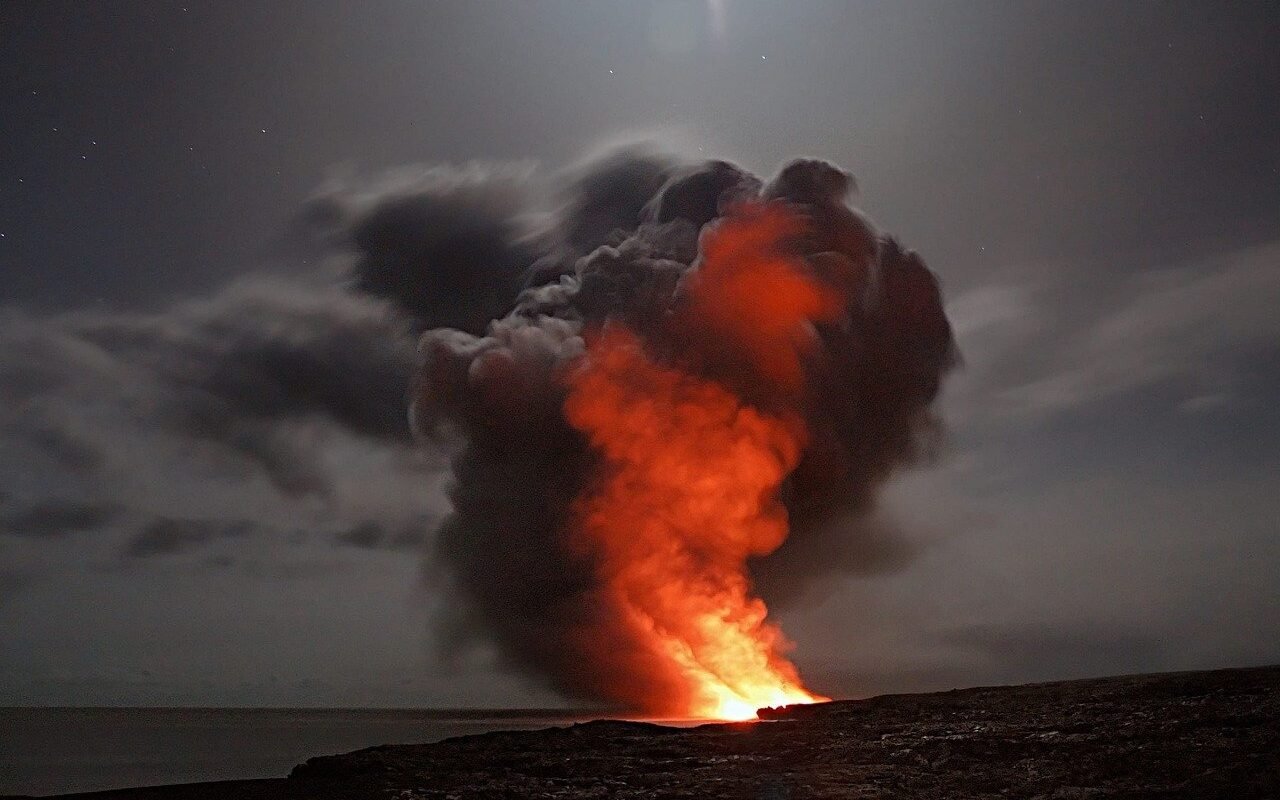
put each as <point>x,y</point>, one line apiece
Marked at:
<point>691,474</point>
<point>748,292</point>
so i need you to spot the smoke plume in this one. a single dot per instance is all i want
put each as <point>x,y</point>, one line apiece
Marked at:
<point>661,297</point>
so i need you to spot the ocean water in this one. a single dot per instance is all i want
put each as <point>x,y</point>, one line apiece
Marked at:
<point>62,750</point>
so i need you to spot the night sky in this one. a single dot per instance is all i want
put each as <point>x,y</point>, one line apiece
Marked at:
<point>1096,184</point>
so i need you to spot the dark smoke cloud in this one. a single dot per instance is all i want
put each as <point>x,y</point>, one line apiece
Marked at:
<point>448,246</point>
<point>628,237</point>
<point>607,197</point>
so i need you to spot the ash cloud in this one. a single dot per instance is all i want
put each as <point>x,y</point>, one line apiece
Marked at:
<point>621,258</point>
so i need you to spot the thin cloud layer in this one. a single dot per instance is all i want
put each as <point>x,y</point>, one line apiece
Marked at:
<point>1036,351</point>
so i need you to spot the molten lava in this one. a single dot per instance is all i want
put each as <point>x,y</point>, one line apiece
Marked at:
<point>688,489</point>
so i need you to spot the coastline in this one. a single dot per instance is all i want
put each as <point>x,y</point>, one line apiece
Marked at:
<point>1191,734</point>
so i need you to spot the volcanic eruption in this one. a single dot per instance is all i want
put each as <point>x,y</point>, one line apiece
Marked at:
<point>687,411</point>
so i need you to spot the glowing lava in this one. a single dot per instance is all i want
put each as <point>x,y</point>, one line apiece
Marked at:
<point>691,471</point>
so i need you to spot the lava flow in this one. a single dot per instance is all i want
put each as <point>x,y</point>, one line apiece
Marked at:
<point>688,490</point>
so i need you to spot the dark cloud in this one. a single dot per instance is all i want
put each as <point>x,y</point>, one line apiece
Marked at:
<point>231,371</point>
<point>71,452</point>
<point>21,380</point>
<point>283,402</point>
<point>53,517</point>
<point>698,194</point>
<point>607,196</point>
<point>870,388</point>
<point>600,202</point>
<point>12,582</point>
<point>353,372</point>
<point>170,536</point>
<point>376,535</point>
<point>1162,328</point>
<point>448,246</point>
<point>366,536</point>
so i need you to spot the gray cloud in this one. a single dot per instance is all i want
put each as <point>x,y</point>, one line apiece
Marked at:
<point>12,583</point>
<point>450,246</point>
<point>226,371</point>
<point>169,536</point>
<point>1038,349</point>
<point>377,535</point>
<point>367,535</point>
<point>607,195</point>
<point>282,401</point>
<point>70,451</point>
<point>57,517</point>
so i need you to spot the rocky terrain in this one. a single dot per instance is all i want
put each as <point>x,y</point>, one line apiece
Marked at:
<point>1186,735</point>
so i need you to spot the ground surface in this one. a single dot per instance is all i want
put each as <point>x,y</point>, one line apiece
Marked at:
<point>1188,735</point>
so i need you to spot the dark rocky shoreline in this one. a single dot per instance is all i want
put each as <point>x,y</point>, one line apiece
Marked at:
<point>1184,735</point>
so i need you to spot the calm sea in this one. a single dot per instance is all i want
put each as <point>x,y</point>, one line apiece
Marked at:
<point>60,750</point>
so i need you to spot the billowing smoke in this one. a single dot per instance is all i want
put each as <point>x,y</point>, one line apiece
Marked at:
<point>625,255</point>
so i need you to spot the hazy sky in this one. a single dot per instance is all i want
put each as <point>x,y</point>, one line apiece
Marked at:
<point>1097,184</point>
